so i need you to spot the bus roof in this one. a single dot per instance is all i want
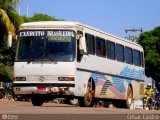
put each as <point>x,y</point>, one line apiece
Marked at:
<point>51,24</point>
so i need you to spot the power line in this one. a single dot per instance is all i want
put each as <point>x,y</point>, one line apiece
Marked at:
<point>133,36</point>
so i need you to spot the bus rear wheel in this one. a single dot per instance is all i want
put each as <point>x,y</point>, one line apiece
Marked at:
<point>129,98</point>
<point>88,99</point>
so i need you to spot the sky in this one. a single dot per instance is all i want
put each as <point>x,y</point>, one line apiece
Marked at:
<point>112,16</point>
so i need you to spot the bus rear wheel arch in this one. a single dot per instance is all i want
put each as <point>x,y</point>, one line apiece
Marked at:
<point>88,99</point>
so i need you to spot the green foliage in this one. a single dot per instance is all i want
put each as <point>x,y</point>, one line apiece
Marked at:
<point>9,22</point>
<point>6,73</point>
<point>15,18</point>
<point>151,43</point>
<point>6,3</point>
<point>41,17</point>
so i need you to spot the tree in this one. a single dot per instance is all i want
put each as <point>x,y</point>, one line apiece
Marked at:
<point>9,16</point>
<point>151,43</point>
<point>41,17</point>
<point>6,3</point>
<point>9,22</point>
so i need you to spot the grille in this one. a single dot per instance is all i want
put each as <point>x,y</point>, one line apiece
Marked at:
<point>42,78</point>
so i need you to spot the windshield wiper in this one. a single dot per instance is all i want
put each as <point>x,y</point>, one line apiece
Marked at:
<point>49,57</point>
<point>30,60</point>
<point>46,53</point>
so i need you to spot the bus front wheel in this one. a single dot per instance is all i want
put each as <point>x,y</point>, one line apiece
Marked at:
<point>88,99</point>
<point>37,101</point>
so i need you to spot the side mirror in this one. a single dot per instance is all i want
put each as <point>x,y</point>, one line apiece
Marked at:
<point>82,44</point>
<point>9,40</point>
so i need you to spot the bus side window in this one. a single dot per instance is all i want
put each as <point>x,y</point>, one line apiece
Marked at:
<point>100,47</point>
<point>110,48</point>
<point>136,58</point>
<point>142,59</point>
<point>90,43</point>
<point>120,52</point>
<point>128,55</point>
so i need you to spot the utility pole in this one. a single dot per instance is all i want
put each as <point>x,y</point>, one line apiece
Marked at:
<point>19,10</point>
<point>19,7</point>
<point>133,36</point>
<point>27,8</point>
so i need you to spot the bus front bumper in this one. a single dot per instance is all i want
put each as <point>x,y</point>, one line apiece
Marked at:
<point>45,88</point>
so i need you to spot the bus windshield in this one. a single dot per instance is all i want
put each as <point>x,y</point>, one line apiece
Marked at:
<point>49,45</point>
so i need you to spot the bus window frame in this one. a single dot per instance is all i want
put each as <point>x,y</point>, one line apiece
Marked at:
<point>104,48</point>
<point>93,45</point>
<point>139,58</point>
<point>131,55</point>
<point>112,43</point>
<point>117,44</point>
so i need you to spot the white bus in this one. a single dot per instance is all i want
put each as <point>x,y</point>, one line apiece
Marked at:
<point>61,58</point>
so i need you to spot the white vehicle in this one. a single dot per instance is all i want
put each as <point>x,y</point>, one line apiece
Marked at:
<point>61,58</point>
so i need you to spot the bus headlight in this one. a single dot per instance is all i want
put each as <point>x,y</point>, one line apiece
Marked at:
<point>20,78</point>
<point>66,79</point>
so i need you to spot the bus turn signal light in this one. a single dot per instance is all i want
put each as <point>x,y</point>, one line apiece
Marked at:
<point>19,78</point>
<point>66,78</point>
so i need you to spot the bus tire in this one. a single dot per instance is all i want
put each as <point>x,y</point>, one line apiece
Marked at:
<point>88,99</point>
<point>37,101</point>
<point>129,97</point>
